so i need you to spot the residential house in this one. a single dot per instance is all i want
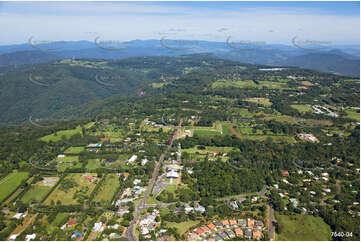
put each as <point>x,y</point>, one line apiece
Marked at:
<point>239,232</point>
<point>29,237</point>
<point>256,235</point>
<point>250,223</point>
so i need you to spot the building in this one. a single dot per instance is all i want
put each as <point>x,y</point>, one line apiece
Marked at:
<point>242,223</point>
<point>239,232</point>
<point>172,174</point>
<point>248,233</point>
<point>132,159</point>
<point>199,231</point>
<point>225,223</point>
<point>29,237</point>
<point>211,226</point>
<point>256,234</point>
<point>250,223</point>
<point>217,224</point>
<point>233,222</point>
<point>223,235</point>
<point>230,234</point>
<point>144,161</point>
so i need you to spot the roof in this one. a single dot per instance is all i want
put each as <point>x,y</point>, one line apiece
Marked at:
<point>205,228</point>
<point>232,222</point>
<point>250,222</point>
<point>199,231</point>
<point>257,234</point>
<point>225,222</point>
<point>217,223</point>
<point>211,226</point>
<point>72,222</point>
<point>239,232</point>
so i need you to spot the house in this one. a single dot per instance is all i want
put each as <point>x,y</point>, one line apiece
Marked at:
<point>239,232</point>
<point>225,223</point>
<point>217,238</point>
<point>172,174</point>
<point>200,209</point>
<point>199,231</point>
<point>13,237</point>
<point>248,233</point>
<point>294,202</point>
<point>29,237</point>
<point>285,173</point>
<point>217,224</point>
<point>234,205</point>
<point>132,159</point>
<point>256,234</point>
<point>242,223</point>
<point>98,145</point>
<point>230,234</point>
<point>111,160</point>
<point>98,227</point>
<point>144,230</point>
<point>144,161</point>
<point>211,226</point>
<point>233,222</point>
<point>223,235</point>
<point>76,234</point>
<point>122,211</point>
<point>72,223</point>
<point>61,156</point>
<point>250,223</point>
<point>137,181</point>
<point>258,224</point>
<point>126,175</point>
<point>19,215</point>
<point>205,229</point>
<point>327,190</point>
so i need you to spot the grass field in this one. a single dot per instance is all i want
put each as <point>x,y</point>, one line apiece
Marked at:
<point>66,133</point>
<point>39,190</point>
<point>36,193</point>
<point>302,227</point>
<point>302,108</point>
<point>108,188</point>
<point>11,182</point>
<point>353,114</point>
<point>83,187</point>
<point>74,150</point>
<point>183,226</point>
<point>222,83</point>
<point>60,217</point>
<point>259,100</point>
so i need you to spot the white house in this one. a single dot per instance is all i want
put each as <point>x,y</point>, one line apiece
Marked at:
<point>98,227</point>
<point>172,174</point>
<point>132,159</point>
<point>137,181</point>
<point>13,237</point>
<point>144,161</point>
<point>29,237</point>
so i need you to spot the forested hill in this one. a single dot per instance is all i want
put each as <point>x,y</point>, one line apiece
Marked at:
<point>73,88</point>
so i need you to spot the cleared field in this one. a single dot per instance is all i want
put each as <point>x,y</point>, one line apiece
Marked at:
<point>11,182</point>
<point>302,108</point>
<point>307,83</point>
<point>209,149</point>
<point>80,187</point>
<point>108,188</point>
<point>74,150</point>
<point>66,133</point>
<point>260,100</point>
<point>353,114</point>
<point>183,226</point>
<point>222,83</point>
<point>38,191</point>
<point>302,228</point>
<point>158,84</point>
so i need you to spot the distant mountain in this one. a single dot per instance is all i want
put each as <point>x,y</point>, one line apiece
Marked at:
<point>26,57</point>
<point>327,62</point>
<point>339,59</point>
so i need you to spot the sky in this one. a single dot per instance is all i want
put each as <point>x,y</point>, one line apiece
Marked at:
<point>269,22</point>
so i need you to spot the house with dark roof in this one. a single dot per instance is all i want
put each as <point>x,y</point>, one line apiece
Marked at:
<point>248,233</point>
<point>223,235</point>
<point>230,233</point>
<point>218,224</point>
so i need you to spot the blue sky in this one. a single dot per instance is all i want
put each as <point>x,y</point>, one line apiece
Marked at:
<point>270,22</point>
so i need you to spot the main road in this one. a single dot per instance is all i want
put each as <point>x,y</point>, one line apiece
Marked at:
<point>130,232</point>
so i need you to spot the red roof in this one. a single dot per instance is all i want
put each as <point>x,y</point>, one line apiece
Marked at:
<point>239,232</point>
<point>211,226</point>
<point>232,222</point>
<point>205,228</point>
<point>225,222</point>
<point>199,231</point>
<point>285,173</point>
<point>72,222</point>
<point>89,177</point>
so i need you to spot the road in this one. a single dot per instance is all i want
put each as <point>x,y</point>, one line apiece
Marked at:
<point>271,218</point>
<point>130,232</point>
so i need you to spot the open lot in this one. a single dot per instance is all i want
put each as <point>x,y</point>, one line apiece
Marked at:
<point>183,226</point>
<point>75,186</point>
<point>108,188</point>
<point>302,108</point>
<point>66,133</point>
<point>260,100</point>
<point>11,182</point>
<point>302,227</point>
<point>40,189</point>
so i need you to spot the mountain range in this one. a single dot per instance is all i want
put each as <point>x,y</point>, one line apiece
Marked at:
<point>342,60</point>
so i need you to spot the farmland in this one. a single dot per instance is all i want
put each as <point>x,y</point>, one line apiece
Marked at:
<point>72,190</point>
<point>11,182</point>
<point>108,188</point>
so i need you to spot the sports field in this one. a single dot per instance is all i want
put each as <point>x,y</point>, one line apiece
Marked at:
<point>11,182</point>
